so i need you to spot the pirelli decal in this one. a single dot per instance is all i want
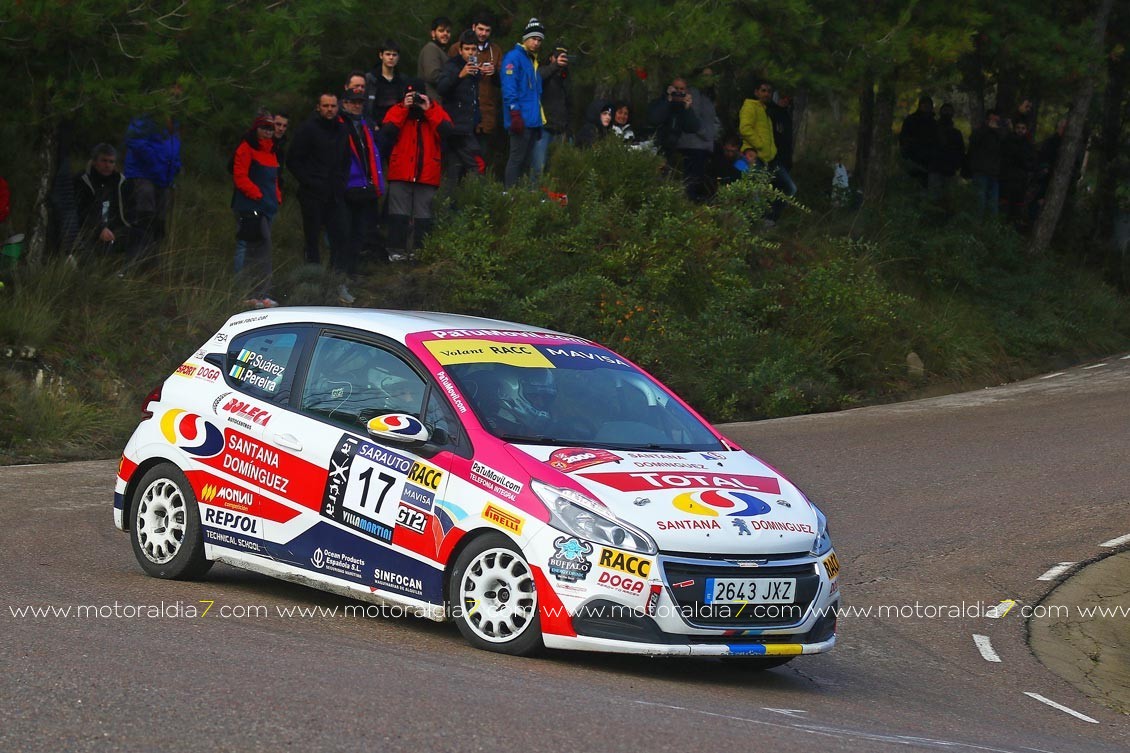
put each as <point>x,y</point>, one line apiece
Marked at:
<point>503,519</point>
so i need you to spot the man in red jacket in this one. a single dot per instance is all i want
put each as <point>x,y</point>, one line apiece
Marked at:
<point>416,128</point>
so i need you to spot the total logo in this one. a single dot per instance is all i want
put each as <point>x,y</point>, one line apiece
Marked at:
<point>714,503</point>
<point>318,559</point>
<point>192,433</point>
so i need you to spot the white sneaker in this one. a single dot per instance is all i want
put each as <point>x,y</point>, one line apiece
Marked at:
<point>344,295</point>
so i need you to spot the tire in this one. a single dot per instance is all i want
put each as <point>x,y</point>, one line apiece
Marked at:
<point>494,597</point>
<point>165,526</point>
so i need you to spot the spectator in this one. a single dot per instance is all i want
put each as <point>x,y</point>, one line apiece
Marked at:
<point>781,115</point>
<point>256,201</point>
<point>729,162</point>
<point>521,101</point>
<point>671,115</point>
<point>622,122</point>
<point>490,135</point>
<point>918,140</point>
<point>100,200</point>
<point>364,186</point>
<point>556,104</point>
<point>983,162</point>
<point>384,86</point>
<point>1026,113</point>
<point>415,128</point>
<point>355,82</point>
<point>1018,162</point>
<point>760,146</point>
<point>696,145</point>
<point>282,125</point>
<point>152,163</point>
<point>432,57</point>
<point>596,126</point>
<point>459,86</point>
<point>317,160</point>
<point>948,156</point>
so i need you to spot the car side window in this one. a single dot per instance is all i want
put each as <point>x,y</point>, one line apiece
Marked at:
<point>350,381</point>
<point>262,363</point>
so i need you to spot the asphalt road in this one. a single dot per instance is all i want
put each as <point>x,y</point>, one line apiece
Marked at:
<point>962,499</point>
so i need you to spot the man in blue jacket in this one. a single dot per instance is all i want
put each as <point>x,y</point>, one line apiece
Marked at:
<point>151,166</point>
<point>521,101</point>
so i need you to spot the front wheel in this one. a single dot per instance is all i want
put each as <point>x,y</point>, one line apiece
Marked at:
<point>165,526</point>
<point>495,598</point>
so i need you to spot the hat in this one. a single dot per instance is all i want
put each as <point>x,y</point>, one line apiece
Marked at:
<point>608,108</point>
<point>533,29</point>
<point>353,95</point>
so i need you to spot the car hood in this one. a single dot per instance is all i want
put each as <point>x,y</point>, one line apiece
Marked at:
<point>702,502</point>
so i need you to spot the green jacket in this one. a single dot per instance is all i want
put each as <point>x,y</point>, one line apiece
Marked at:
<point>757,130</point>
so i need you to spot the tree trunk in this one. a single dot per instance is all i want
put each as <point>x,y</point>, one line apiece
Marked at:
<point>1069,150</point>
<point>875,181</point>
<point>37,242</point>
<point>1106,201</point>
<point>866,122</point>
<point>800,122</point>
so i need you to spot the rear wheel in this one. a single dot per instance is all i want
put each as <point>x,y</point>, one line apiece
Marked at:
<point>495,598</point>
<point>165,525</point>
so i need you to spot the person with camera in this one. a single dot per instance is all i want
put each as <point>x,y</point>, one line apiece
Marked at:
<point>556,103</point>
<point>416,128</point>
<point>459,86</point>
<point>671,116</point>
<point>489,131</point>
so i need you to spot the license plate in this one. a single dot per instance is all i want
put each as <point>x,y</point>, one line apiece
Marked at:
<point>750,590</point>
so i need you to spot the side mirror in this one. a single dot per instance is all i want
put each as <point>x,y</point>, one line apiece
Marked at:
<point>398,427</point>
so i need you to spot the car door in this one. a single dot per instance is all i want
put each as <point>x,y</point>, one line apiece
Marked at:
<point>371,518</point>
<point>246,484</point>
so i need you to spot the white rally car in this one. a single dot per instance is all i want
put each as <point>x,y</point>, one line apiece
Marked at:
<point>533,486</point>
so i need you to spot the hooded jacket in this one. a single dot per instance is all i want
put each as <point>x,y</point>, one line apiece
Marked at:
<point>706,134</point>
<point>489,93</point>
<point>100,200</point>
<point>416,155</point>
<point>521,87</point>
<point>255,173</point>
<point>152,152</point>
<point>756,130</point>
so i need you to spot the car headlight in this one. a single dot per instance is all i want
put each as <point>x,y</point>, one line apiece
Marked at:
<point>580,515</point>
<point>823,543</point>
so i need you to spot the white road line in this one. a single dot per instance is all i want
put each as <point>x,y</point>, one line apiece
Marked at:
<point>985,647</point>
<point>787,712</point>
<point>1052,376</point>
<point>1094,366</point>
<point>1056,571</point>
<point>1000,610</point>
<point>1117,542</point>
<point>841,732</point>
<point>1061,707</point>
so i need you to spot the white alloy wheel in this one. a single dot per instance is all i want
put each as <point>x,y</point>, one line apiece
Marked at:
<point>497,597</point>
<point>160,521</point>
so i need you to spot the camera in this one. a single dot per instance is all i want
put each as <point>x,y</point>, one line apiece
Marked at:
<point>473,60</point>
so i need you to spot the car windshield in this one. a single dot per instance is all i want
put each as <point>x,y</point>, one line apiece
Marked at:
<point>593,406</point>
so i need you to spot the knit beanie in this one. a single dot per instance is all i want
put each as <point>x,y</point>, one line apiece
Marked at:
<point>533,29</point>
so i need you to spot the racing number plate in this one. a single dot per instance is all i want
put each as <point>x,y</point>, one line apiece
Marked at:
<point>750,590</point>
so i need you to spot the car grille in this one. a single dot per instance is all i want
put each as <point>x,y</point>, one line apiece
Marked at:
<point>686,582</point>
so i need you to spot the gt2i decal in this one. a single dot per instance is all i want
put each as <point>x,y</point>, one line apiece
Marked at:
<point>365,486</point>
<point>411,518</point>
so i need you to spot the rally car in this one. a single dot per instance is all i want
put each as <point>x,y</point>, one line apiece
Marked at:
<point>535,487</point>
